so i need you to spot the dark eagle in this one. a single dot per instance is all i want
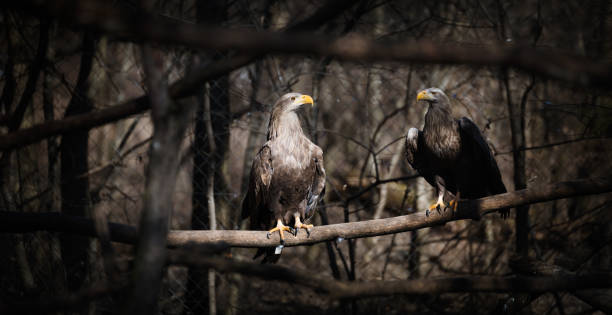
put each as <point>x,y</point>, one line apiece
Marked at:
<point>452,155</point>
<point>287,176</point>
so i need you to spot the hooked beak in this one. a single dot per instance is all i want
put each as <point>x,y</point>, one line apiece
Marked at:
<point>304,99</point>
<point>425,96</point>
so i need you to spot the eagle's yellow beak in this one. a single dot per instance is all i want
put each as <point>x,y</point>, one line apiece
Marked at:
<point>304,99</point>
<point>425,96</point>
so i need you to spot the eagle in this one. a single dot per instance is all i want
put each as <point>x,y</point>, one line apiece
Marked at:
<point>287,177</point>
<point>452,155</point>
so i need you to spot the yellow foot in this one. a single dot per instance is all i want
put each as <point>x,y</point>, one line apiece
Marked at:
<point>299,225</point>
<point>455,202</point>
<point>438,205</point>
<point>280,227</point>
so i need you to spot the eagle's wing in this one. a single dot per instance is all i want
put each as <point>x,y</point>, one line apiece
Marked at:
<point>259,184</point>
<point>255,202</point>
<point>473,140</point>
<point>317,188</point>
<point>416,156</point>
<point>412,147</point>
<point>482,158</point>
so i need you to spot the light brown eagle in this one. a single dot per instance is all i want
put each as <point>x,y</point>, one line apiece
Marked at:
<point>287,176</point>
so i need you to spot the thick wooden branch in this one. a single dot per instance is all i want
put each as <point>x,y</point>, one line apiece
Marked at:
<point>600,299</point>
<point>59,301</point>
<point>351,289</point>
<point>105,17</point>
<point>334,289</point>
<point>11,222</point>
<point>472,284</point>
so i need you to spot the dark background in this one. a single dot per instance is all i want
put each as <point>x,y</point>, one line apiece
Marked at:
<point>63,58</point>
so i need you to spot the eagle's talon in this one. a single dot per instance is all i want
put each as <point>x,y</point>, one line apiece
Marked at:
<point>280,227</point>
<point>455,202</point>
<point>438,206</point>
<point>299,225</point>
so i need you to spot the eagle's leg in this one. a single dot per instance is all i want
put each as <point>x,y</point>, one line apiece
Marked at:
<point>438,205</point>
<point>441,192</point>
<point>299,225</point>
<point>455,202</point>
<point>280,227</point>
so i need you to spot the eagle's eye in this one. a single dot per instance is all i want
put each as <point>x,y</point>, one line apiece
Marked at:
<point>293,98</point>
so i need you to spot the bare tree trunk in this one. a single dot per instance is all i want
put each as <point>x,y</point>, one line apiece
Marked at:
<point>422,191</point>
<point>75,188</point>
<point>199,216</point>
<point>21,259</point>
<point>207,163</point>
<point>170,122</point>
<point>50,201</point>
<point>48,111</point>
<point>210,198</point>
<point>517,127</point>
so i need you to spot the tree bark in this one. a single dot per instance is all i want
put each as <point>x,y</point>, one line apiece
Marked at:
<point>170,123</point>
<point>468,209</point>
<point>337,289</point>
<point>74,188</point>
<point>351,289</point>
<point>517,127</point>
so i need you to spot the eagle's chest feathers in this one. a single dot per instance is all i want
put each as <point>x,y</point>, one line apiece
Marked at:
<point>289,146</point>
<point>292,153</point>
<point>442,134</point>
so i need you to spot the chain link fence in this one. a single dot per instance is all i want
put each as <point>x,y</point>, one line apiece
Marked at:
<point>378,100</point>
<point>362,113</point>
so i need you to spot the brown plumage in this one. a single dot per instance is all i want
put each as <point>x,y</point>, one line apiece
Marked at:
<point>287,176</point>
<point>452,155</point>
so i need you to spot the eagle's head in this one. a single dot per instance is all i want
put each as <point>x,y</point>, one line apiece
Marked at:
<point>432,95</point>
<point>292,101</point>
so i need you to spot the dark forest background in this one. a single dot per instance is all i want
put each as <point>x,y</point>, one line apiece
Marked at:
<point>545,123</point>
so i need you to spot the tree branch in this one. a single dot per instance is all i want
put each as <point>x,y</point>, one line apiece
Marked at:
<point>600,299</point>
<point>105,14</point>
<point>181,88</point>
<point>12,222</point>
<point>553,144</point>
<point>105,17</point>
<point>335,289</point>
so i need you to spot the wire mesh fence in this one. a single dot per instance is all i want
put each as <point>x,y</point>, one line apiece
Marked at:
<point>361,114</point>
<point>116,177</point>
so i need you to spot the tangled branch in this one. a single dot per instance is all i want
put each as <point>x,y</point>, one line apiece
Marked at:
<point>138,26</point>
<point>334,289</point>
